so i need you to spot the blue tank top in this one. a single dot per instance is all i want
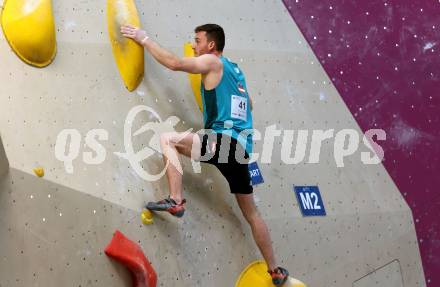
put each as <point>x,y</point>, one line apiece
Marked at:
<point>226,109</point>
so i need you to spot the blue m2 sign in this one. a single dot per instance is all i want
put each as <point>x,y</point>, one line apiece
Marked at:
<point>310,201</point>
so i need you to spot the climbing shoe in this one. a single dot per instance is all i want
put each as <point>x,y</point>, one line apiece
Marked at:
<point>279,276</point>
<point>167,204</point>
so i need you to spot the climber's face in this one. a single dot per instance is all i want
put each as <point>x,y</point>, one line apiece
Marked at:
<point>202,45</point>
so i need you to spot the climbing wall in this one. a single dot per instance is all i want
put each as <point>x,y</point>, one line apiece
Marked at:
<point>54,229</point>
<point>383,58</point>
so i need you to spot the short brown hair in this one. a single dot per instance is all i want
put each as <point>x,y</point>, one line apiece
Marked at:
<point>214,33</point>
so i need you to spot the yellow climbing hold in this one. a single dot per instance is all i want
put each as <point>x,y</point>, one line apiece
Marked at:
<point>29,28</point>
<point>256,275</point>
<point>195,80</point>
<point>147,217</point>
<point>129,55</point>
<point>39,171</point>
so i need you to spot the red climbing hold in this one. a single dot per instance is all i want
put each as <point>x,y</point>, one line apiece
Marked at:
<point>130,255</point>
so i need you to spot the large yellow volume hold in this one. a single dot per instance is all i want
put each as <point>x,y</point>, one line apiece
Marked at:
<point>129,55</point>
<point>29,28</point>
<point>195,80</point>
<point>256,275</point>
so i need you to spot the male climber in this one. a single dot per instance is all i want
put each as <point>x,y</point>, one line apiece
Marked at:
<point>227,113</point>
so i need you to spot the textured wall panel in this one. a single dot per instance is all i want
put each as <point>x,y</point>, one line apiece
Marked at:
<point>368,223</point>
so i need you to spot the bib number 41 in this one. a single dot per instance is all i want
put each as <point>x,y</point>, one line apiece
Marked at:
<point>239,107</point>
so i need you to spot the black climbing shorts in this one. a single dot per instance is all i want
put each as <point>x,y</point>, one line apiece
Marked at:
<point>222,151</point>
